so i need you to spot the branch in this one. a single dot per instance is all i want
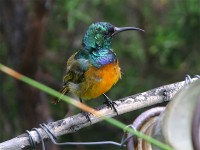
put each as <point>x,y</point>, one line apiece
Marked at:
<point>76,122</point>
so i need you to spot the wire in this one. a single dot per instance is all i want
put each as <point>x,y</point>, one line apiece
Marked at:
<point>52,137</point>
<point>188,79</point>
<point>124,140</point>
<point>40,136</point>
<point>32,142</point>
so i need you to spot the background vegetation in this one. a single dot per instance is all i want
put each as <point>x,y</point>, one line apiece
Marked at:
<point>38,36</point>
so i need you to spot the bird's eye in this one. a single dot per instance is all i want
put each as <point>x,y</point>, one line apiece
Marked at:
<point>106,33</point>
<point>111,30</point>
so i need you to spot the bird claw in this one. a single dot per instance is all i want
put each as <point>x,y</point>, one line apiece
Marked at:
<point>111,104</point>
<point>87,116</point>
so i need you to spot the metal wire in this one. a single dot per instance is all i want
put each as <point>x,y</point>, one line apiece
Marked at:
<point>32,142</point>
<point>40,136</point>
<point>52,137</point>
<point>188,79</point>
<point>197,76</point>
<point>124,140</point>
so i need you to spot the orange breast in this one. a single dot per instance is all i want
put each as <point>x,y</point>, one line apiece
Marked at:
<point>99,80</point>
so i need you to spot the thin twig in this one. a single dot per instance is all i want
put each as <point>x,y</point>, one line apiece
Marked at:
<point>76,122</point>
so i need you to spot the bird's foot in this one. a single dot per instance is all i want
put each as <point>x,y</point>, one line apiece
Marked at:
<point>87,116</point>
<point>110,103</point>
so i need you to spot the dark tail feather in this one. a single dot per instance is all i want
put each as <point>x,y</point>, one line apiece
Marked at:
<point>64,91</point>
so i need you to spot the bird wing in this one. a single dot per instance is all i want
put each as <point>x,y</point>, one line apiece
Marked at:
<point>75,70</point>
<point>75,73</point>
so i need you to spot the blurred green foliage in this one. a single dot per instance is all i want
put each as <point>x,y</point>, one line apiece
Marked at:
<point>168,50</point>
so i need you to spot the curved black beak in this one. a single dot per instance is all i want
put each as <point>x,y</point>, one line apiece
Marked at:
<point>117,30</point>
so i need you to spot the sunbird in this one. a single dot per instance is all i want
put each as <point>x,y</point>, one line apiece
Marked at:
<point>94,69</point>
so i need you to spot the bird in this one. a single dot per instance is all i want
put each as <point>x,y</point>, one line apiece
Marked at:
<point>94,68</point>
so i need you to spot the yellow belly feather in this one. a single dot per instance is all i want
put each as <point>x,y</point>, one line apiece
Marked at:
<point>99,80</point>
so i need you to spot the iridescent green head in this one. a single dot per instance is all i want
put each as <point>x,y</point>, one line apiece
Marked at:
<point>99,35</point>
<point>97,44</point>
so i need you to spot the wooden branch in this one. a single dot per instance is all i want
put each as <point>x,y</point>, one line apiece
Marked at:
<point>76,122</point>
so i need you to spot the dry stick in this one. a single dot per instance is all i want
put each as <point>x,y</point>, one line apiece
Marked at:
<point>76,122</point>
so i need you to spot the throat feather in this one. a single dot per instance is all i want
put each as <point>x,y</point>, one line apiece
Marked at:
<point>101,58</point>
